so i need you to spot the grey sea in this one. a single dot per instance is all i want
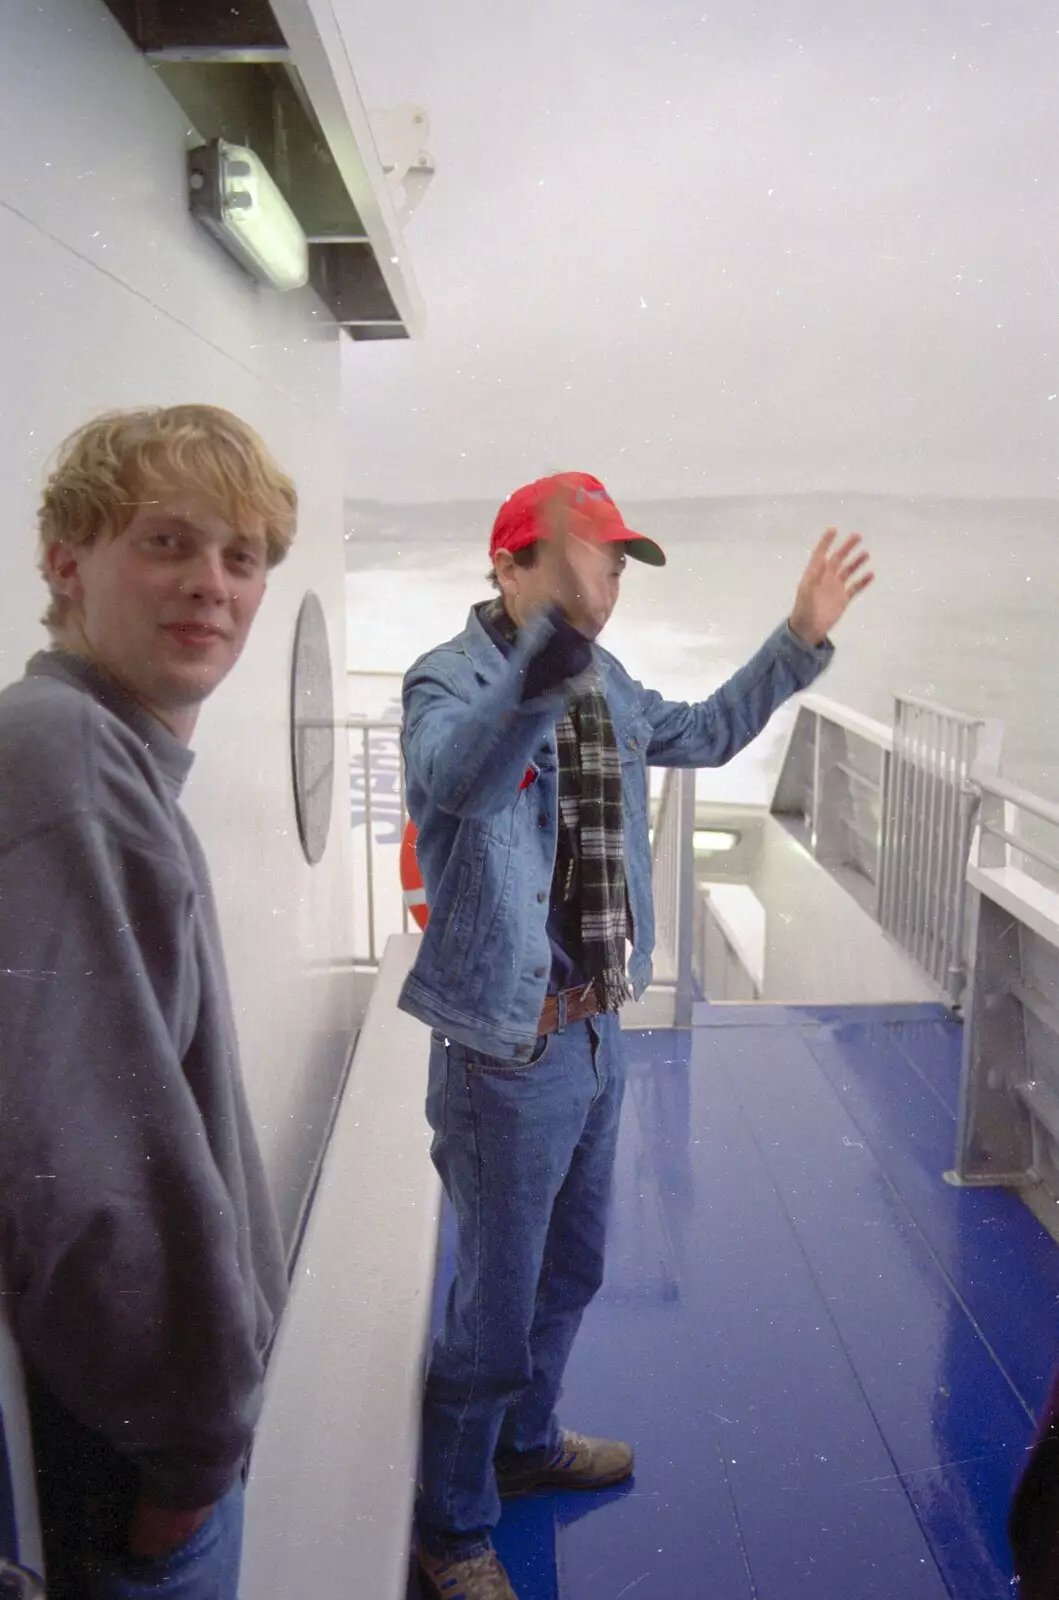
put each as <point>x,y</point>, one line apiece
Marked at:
<point>964,610</point>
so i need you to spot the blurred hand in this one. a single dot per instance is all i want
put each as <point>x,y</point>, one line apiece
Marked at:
<point>828,584</point>
<point>156,1532</point>
<point>581,575</point>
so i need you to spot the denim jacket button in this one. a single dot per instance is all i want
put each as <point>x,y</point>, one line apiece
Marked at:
<point>542,895</point>
<point>540,972</point>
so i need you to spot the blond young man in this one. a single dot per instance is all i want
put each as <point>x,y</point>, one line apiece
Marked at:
<point>138,1241</point>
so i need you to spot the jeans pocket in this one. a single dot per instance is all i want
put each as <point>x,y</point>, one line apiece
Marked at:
<point>437,1105</point>
<point>493,1067</point>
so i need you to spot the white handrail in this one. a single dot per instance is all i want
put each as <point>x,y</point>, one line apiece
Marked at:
<point>843,716</point>
<point>992,783</point>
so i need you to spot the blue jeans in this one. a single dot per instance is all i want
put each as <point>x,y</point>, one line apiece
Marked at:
<point>205,1568</point>
<point>526,1155</point>
<point>87,1492</point>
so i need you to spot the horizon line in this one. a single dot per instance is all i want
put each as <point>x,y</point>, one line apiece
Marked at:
<point>756,494</point>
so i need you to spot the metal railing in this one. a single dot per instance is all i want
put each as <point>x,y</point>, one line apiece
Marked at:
<point>1002,804</point>
<point>831,788</point>
<point>725,966</point>
<point>929,817</point>
<point>889,813</point>
<point>377,797</point>
<point>377,801</point>
<point>673,874</point>
<point>1008,1131</point>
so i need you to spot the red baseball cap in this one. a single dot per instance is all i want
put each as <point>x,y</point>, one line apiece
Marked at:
<point>523,517</point>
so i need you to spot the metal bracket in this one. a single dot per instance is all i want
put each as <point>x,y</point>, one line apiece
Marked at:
<point>400,135</point>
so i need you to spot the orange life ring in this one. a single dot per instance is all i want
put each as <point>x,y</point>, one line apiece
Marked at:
<point>415,896</point>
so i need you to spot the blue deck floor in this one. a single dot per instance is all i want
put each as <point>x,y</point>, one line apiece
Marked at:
<point>827,1358</point>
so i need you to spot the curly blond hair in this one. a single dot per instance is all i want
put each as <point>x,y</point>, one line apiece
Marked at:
<point>108,466</point>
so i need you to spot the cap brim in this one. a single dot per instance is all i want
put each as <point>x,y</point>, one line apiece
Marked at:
<point>644,549</point>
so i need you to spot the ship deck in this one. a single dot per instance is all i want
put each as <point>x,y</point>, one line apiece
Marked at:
<point>827,1357</point>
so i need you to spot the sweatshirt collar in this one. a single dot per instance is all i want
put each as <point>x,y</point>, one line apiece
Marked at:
<point>173,757</point>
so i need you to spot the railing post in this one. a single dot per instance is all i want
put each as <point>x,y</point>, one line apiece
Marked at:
<point>1008,1124</point>
<point>994,1136</point>
<point>884,908</point>
<point>375,775</point>
<point>885,763</point>
<point>815,787</point>
<point>685,930</point>
<point>369,845</point>
<point>956,977</point>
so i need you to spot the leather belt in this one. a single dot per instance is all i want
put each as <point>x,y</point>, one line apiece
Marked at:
<point>580,1003</point>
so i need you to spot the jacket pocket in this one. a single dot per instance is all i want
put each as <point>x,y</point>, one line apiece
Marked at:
<point>633,740</point>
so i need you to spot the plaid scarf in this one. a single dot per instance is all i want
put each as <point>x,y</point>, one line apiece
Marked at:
<point>590,854</point>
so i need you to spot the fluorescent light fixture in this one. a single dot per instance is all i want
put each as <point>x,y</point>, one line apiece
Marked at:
<point>233,196</point>
<point>708,841</point>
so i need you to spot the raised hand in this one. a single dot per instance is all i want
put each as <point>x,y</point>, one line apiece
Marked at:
<point>581,574</point>
<point>832,579</point>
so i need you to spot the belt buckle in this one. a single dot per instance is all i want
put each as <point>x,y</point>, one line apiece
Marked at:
<point>582,996</point>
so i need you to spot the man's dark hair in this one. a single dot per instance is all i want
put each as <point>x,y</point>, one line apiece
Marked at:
<point>526,557</point>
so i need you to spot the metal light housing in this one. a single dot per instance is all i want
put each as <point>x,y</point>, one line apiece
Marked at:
<point>233,196</point>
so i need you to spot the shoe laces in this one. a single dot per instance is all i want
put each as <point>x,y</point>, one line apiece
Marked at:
<point>568,1449</point>
<point>480,1578</point>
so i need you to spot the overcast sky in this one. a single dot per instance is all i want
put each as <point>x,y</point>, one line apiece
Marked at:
<point>704,248</point>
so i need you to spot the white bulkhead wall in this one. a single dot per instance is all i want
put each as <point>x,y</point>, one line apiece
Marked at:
<point>111,296</point>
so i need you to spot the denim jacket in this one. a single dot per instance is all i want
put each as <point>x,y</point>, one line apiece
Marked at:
<point>482,782</point>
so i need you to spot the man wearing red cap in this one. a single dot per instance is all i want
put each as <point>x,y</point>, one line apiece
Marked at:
<point>526,748</point>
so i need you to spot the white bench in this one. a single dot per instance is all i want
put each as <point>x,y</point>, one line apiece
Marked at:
<point>332,1481</point>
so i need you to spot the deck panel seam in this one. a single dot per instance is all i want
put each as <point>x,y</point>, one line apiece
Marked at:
<point>893,1029</point>
<point>825,1303</point>
<point>943,1271</point>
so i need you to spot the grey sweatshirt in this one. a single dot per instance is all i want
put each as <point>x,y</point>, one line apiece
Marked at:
<point>139,1247</point>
